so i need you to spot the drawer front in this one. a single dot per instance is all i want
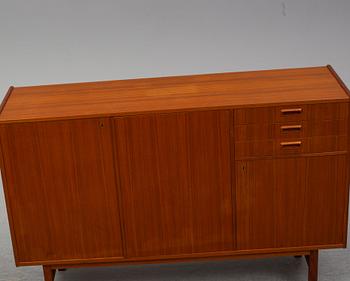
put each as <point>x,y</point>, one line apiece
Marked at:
<point>305,129</point>
<point>256,132</point>
<point>270,148</point>
<point>290,113</point>
<point>290,146</point>
<point>296,129</point>
<point>291,130</point>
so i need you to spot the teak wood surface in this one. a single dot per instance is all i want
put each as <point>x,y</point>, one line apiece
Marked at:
<point>225,90</point>
<point>62,189</point>
<point>216,166</point>
<point>189,195</point>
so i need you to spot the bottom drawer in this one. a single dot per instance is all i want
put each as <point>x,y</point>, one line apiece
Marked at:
<point>288,146</point>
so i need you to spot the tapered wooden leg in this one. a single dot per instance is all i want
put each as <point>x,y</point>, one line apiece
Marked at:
<point>49,273</point>
<point>312,260</point>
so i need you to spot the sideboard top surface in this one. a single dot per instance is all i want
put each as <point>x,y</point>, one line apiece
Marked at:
<point>123,97</point>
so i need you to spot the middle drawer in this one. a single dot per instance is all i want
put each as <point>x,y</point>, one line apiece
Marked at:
<point>289,130</point>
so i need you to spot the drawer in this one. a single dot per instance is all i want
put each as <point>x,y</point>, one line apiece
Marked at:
<point>303,129</point>
<point>257,132</point>
<point>270,148</point>
<point>296,129</point>
<point>290,146</point>
<point>312,112</point>
<point>291,113</point>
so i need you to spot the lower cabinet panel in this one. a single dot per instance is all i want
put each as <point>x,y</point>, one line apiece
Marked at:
<point>61,190</point>
<point>175,181</point>
<point>326,199</point>
<point>255,193</point>
<point>291,202</point>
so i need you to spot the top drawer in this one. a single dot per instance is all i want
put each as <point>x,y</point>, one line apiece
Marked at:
<point>287,113</point>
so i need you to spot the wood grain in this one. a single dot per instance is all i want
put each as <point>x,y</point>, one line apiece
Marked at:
<point>176,182</point>
<point>310,112</point>
<point>181,257</point>
<point>255,191</point>
<point>303,201</point>
<point>236,255</point>
<point>273,148</point>
<point>249,149</point>
<point>228,90</point>
<point>312,261</point>
<point>326,198</point>
<point>49,273</point>
<point>61,189</point>
<point>320,128</point>
<point>288,200</point>
<point>264,131</point>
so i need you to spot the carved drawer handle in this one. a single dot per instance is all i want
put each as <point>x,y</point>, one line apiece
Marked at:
<point>291,110</point>
<point>290,127</point>
<point>291,143</point>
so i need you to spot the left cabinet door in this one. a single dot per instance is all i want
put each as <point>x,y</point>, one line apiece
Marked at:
<point>60,190</point>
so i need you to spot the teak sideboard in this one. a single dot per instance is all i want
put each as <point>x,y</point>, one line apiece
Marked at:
<point>217,166</point>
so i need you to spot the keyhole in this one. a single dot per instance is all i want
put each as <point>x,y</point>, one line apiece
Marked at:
<point>101,124</point>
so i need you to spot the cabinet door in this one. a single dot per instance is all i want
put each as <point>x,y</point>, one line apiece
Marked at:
<point>255,193</point>
<point>291,202</point>
<point>175,181</point>
<point>60,187</point>
<point>325,213</point>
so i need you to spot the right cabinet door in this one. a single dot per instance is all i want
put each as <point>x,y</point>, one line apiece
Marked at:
<point>326,199</point>
<point>291,202</point>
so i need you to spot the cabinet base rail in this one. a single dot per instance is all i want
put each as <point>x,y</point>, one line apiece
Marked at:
<point>311,258</point>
